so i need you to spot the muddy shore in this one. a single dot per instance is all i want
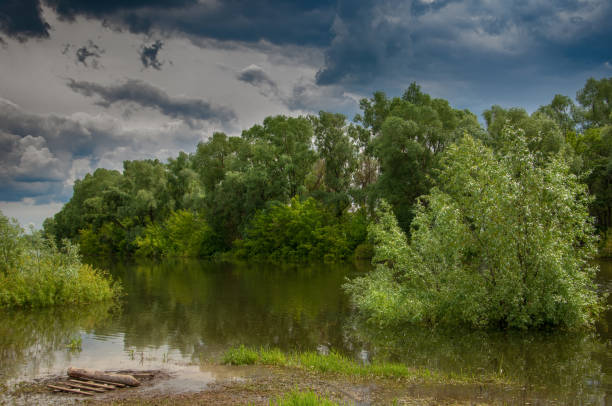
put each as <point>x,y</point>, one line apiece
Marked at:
<point>257,385</point>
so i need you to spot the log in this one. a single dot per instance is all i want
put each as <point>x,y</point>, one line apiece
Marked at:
<point>78,386</point>
<point>128,380</point>
<point>80,392</point>
<point>93,384</point>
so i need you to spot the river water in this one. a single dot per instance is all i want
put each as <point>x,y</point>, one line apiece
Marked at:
<point>178,315</point>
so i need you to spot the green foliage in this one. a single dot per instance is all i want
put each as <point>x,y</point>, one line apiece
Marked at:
<point>182,234</point>
<point>338,156</point>
<point>11,244</point>
<point>75,344</point>
<point>540,129</point>
<point>407,135</point>
<point>505,240</point>
<point>240,356</point>
<point>364,251</point>
<point>38,274</point>
<point>596,99</point>
<point>300,231</point>
<point>392,151</point>
<point>307,398</point>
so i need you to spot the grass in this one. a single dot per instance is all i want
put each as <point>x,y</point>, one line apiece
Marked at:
<point>338,364</point>
<point>240,356</point>
<point>307,398</point>
<point>75,344</point>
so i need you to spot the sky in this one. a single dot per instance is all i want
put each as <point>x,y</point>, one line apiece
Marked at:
<point>89,84</point>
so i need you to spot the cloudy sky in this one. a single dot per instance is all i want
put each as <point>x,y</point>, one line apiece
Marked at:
<point>88,84</point>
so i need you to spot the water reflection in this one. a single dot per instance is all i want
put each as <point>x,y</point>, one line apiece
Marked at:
<point>33,341</point>
<point>203,311</point>
<point>182,312</point>
<point>552,363</point>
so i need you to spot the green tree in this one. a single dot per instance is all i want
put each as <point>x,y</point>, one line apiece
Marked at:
<point>563,111</point>
<point>11,246</point>
<point>339,158</point>
<point>86,206</point>
<point>596,99</point>
<point>406,136</point>
<point>540,128</point>
<point>502,241</point>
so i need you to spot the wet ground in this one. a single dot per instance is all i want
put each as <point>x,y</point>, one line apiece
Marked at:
<point>240,385</point>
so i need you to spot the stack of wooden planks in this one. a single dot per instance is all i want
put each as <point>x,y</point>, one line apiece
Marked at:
<point>88,382</point>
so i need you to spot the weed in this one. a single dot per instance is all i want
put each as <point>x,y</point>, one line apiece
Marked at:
<point>75,344</point>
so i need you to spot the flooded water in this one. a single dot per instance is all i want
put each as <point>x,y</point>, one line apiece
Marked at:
<point>179,314</point>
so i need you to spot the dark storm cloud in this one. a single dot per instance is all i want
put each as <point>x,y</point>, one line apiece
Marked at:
<point>366,43</point>
<point>279,22</point>
<point>256,76</point>
<point>364,39</point>
<point>461,38</point>
<point>148,55</point>
<point>143,94</point>
<point>22,19</point>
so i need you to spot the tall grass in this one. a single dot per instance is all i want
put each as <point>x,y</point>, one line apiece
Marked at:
<point>35,273</point>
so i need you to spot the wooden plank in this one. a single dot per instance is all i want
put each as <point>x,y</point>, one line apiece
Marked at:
<point>76,385</point>
<point>80,392</point>
<point>119,385</point>
<point>93,384</point>
<point>102,376</point>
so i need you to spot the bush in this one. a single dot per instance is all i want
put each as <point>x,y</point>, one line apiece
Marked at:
<point>38,274</point>
<point>301,231</point>
<point>504,241</point>
<point>182,234</point>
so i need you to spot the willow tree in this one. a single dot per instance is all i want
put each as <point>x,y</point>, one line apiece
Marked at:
<point>503,240</point>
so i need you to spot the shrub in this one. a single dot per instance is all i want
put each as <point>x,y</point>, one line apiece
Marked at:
<point>39,274</point>
<point>300,231</point>
<point>504,240</point>
<point>182,234</point>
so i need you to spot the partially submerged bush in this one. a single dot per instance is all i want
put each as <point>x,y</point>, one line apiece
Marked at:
<point>504,241</point>
<point>35,273</point>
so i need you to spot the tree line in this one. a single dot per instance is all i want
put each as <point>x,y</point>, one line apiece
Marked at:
<point>306,188</point>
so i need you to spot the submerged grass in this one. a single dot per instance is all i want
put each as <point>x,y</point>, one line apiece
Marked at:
<point>338,364</point>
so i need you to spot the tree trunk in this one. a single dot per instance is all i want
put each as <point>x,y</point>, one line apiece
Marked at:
<point>99,375</point>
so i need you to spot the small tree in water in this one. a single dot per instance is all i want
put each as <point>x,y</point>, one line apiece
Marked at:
<point>503,241</point>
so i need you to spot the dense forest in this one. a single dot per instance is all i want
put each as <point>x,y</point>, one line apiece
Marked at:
<point>305,188</point>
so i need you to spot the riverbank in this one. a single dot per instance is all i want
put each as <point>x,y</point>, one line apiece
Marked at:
<point>244,375</point>
<point>258,385</point>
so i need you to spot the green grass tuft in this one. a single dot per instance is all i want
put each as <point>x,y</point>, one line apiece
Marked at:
<point>240,356</point>
<point>334,363</point>
<point>307,398</point>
